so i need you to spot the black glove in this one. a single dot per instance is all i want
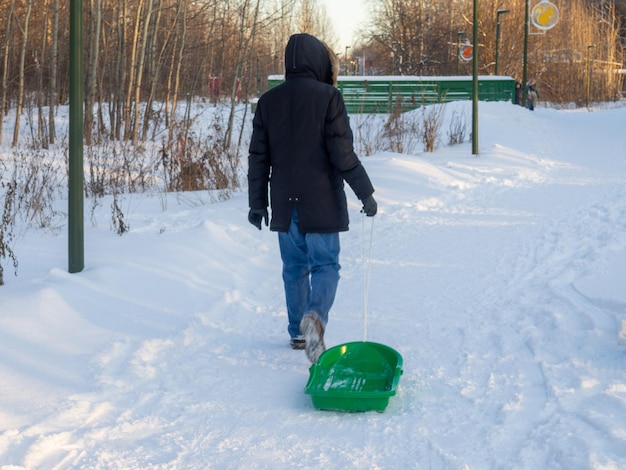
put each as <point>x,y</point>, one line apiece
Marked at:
<point>255,216</point>
<point>369,206</point>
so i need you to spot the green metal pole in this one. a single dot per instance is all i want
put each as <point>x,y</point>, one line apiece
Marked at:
<point>525,63</point>
<point>589,47</point>
<point>75,185</point>
<point>498,33</point>
<point>495,72</point>
<point>458,49</point>
<point>475,82</point>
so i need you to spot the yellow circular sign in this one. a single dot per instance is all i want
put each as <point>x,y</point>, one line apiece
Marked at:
<point>545,15</point>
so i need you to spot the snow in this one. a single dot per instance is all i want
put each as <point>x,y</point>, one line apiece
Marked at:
<point>498,278</point>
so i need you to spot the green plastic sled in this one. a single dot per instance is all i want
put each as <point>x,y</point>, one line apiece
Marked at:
<point>358,376</point>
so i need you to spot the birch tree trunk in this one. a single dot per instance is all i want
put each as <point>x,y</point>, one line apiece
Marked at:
<point>133,73</point>
<point>42,134</point>
<point>245,39</point>
<point>139,70</point>
<point>177,64</point>
<point>92,69</point>
<point>119,109</point>
<point>54,58</point>
<point>5,69</point>
<point>154,65</point>
<point>20,90</point>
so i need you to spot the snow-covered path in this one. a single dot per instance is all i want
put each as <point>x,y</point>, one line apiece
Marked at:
<point>499,279</point>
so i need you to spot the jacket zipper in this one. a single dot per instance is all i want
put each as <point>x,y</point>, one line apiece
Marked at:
<point>295,44</point>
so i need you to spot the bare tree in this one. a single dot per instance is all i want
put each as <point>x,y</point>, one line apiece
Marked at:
<point>144,56</point>
<point>54,58</point>
<point>139,68</point>
<point>21,71</point>
<point>177,62</point>
<point>5,65</point>
<point>154,63</point>
<point>133,72</point>
<point>406,37</point>
<point>91,71</point>
<point>119,107</point>
<point>247,35</point>
<point>42,134</point>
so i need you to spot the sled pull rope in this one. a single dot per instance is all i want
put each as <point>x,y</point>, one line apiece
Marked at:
<point>366,271</point>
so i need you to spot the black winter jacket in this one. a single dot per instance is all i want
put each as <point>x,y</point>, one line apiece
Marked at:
<point>302,145</point>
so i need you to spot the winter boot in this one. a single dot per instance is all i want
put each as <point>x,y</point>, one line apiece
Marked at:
<point>297,342</point>
<point>313,331</point>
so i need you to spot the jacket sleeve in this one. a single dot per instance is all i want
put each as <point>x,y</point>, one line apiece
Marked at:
<point>340,144</point>
<point>258,164</point>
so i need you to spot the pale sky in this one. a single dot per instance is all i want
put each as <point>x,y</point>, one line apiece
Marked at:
<point>347,16</point>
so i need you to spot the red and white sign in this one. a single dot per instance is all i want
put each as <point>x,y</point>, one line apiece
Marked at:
<point>466,52</point>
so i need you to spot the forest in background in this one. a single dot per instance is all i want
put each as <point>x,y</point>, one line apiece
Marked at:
<point>142,58</point>
<point>418,37</point>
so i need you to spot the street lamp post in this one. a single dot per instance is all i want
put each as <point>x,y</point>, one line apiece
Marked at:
<point>589,70</point>
<point>498,13</point>
<point>458,49</point>
<point>475,80</point>
<point>525,60</point>
<point>76,235</point>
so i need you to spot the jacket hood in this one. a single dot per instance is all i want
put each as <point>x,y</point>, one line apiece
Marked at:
<point>305,55</point>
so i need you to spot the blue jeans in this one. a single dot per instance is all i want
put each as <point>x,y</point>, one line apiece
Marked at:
<point>310,272</point>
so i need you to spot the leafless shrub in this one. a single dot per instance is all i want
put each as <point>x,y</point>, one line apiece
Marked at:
<point>194,162</point>
<point>367,130</point>
<point>38,179</point>
<point>394,130</point>
<point>116,168</point>
<point>118,221</point>
<point>29,185</point>
<point>432,120</point>
<point>402,132</point>
<point>8,224</point>
<point>458,128</point>
<point>198,160</point>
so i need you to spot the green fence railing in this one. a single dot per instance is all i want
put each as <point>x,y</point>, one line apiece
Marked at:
<point>385,94</point>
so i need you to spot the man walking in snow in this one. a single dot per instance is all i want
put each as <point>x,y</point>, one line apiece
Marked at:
<point>532,94</point>
<point>302,147</point>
